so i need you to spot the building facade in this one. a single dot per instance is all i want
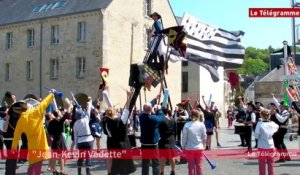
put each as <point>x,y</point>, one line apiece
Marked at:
<point>61,44</point>
<point>197,82</point>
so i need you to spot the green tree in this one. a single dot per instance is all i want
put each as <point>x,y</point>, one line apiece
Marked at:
<point>256,61</point>
<point>263,54</point>
<point>253,66</point>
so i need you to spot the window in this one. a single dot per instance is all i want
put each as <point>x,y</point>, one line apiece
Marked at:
<point>55,34</point>
<point>80,67</point>
<point>54,68</point>
<point>147,38</point>
<point>185,63</point>
<point>30,37</point>
<point>51,6</point>
<point>59,4</point>
<point>9,40</point>
<point>185,81</point>
<point>81,28</point>
<point>29,70</point>
<point>147,6</point>
<point>43,7</point>
<point>7,72</point>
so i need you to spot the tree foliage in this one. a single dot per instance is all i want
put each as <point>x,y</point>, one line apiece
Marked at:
<point>253,66</point>
<point>256,61</point>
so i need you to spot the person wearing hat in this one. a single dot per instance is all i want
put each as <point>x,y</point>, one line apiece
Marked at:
<point>157,25</point>
<point>280,116</point>
<point>263,133</point>
<point>11,119</point>
<point>240,116</point>
<point>8,99</point>
<point>181,116</point>
<point>250,120</point>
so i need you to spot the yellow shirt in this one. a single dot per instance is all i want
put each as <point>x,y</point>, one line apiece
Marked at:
<point>31,123</point>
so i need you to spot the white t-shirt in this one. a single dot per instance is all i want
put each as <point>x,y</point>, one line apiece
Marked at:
<point>193,135</point>
<point>264,133</point>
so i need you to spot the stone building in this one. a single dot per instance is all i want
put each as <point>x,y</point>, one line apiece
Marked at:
<point>196,81</point>
<point>62,43</point>
<point>272,82</point>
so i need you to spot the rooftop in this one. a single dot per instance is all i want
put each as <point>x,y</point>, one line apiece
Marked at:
<point>16,11</point>
<point>274,75</point>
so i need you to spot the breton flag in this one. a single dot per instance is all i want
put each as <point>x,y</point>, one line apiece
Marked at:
<point>207,46</point>
<point>209,43</point>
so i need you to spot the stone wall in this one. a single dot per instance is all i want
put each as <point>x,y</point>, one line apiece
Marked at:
<point>114,39</point>
<point>66,51</point>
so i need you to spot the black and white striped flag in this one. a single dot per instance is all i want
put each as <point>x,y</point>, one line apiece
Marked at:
<point>206,42</point>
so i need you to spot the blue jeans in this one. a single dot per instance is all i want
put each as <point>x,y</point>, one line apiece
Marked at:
<point>155,162</point>
<point>85,146</point>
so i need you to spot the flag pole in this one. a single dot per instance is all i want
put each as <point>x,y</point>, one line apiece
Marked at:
<point>163,79</point>
<point>286,71</point>
<point>140,97</point>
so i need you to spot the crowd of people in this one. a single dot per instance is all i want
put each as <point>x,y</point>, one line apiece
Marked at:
<point>166,133</point>
<point>184,133</point>
<point>160,129</point>
<point>269,124</point>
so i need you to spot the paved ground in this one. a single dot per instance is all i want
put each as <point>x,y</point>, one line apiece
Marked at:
<point>225,166</point>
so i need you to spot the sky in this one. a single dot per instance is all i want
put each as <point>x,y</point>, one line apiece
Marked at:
<point>232,15</point>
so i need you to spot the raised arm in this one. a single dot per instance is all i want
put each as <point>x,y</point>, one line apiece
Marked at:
<point>69,105</point>
<point>203,100</point>
<point>275,101</point>
<point>89,107</point>
<point>107,99</point>
<point>205,112</point>
<point>17,133</point>
<point>242,102</point>
<point>40,109</point>
<point>125,113</point>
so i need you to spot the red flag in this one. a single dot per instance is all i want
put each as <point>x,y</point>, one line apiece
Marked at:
<point>104,76</point>
<point>102,69</point>
<point>196,104</point>
<point>185,102</point>
<point>233,79</point>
